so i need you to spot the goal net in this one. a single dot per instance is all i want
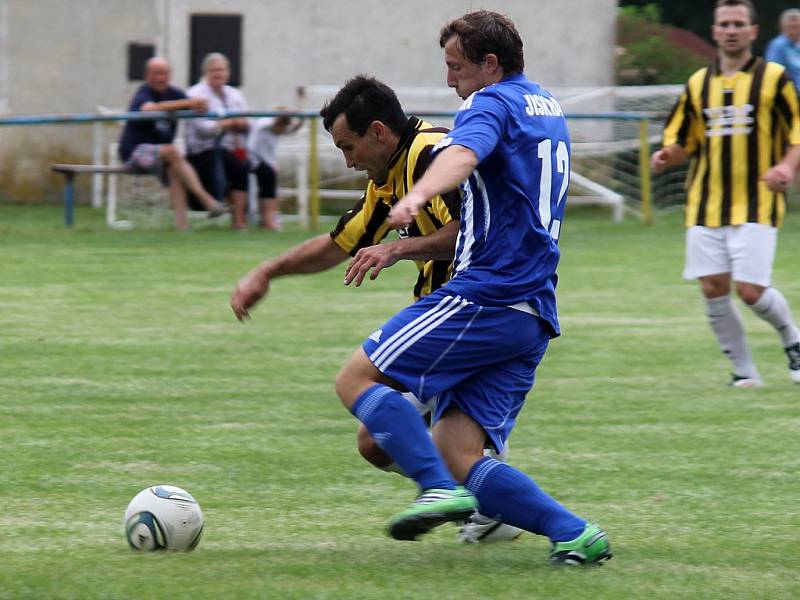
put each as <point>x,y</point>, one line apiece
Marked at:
<point>607,141</point>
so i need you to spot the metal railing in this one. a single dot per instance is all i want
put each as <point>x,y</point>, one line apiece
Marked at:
<point>312,194</point>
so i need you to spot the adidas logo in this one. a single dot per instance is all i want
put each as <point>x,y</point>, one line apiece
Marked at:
<point>375,336</point>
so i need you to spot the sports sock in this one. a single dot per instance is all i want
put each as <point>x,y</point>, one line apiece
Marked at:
<point>726,322</point>
<point>399,430</point>
<point>773,308</point>
<point>514,498</point>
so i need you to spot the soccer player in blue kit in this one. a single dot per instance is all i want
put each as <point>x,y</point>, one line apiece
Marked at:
<point>476,342</point>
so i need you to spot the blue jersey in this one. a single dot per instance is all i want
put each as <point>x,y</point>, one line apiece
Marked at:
<point>513,203</point>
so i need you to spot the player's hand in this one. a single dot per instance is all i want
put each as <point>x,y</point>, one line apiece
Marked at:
<point>403,213</point>
<point>375,257</point>
<point>658,162</point>
<point>779,177</point>
<point>248,293</point>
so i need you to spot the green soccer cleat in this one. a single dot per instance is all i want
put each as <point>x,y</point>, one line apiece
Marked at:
<point>431,509</point>
<point>589,548</point>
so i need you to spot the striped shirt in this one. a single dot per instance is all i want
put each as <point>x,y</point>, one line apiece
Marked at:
<point>365,224</point>
<point>735,128</point>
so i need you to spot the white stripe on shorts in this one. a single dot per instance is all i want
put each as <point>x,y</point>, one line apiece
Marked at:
<point>413,331</point>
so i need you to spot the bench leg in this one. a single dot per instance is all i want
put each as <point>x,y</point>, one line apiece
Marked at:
<point>69,199</point>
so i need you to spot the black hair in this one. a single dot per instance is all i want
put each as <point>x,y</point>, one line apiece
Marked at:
<point>362,100</point>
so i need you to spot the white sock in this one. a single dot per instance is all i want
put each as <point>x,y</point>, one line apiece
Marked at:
<point>773,308</point>
<point>726,322</point>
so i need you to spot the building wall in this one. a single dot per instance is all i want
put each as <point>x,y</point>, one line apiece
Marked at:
<point>59,56</point>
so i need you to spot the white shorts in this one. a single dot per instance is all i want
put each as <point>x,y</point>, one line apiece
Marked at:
<point>745,251</point>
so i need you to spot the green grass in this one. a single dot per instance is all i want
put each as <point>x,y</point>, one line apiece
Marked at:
<point>121,366</point>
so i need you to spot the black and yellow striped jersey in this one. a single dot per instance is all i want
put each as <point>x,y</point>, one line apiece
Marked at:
<point>365,224</point>
<point>735,128</point>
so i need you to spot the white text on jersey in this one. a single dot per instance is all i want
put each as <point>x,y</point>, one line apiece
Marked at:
<point>540,105</point>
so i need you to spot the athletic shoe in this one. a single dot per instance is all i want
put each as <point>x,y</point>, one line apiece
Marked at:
<point>740,381</point>
<point>589,548</point>
<point>793,353</point>
<point>431,509</point>
<point>478,529</point>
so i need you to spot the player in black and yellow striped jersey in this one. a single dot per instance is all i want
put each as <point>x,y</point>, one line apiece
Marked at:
<point>736,127</point>
<point>369,126</point>
<point>739,121</point>
<point>364,226</point>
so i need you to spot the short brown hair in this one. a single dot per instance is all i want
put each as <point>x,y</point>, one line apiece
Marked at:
<point>485,32</point>
<point>746,3</point>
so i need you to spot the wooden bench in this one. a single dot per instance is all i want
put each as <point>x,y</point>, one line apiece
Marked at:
<point>69,172</point>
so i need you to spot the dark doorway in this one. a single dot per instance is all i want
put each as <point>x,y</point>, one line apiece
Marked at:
<point>215,33</point>
<point>138,55</point>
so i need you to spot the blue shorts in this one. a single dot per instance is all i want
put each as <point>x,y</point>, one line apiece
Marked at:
<point>480,359</point>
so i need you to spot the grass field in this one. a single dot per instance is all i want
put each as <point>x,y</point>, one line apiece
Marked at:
<point>121,366</point>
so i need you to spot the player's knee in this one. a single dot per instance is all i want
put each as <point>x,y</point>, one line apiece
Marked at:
<point>750,294</point>
<point>714,287</point>
<point>344,382</point>
<point>370,450</point>
<point>356,375</point>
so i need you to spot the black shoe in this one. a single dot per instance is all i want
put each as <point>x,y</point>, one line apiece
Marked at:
<point>793,354</point>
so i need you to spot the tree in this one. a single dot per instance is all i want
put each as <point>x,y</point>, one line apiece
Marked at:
<point>697,16</point>
<point>645,55</point>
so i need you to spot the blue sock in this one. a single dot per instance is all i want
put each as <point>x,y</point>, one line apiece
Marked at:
<point>399,430</point>
<point>514,498</point>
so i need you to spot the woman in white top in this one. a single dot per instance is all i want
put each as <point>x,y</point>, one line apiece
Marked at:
<point>217,147</point>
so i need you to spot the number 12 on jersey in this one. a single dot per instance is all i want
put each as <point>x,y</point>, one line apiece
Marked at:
<point>546,206</point>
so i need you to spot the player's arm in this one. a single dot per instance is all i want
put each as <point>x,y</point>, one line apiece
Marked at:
<point>450,167</point>
<point>439,245</point>
<point>680,134</point>
<point>780,176</point>
<point>668,156</point>
<point>312,256</point>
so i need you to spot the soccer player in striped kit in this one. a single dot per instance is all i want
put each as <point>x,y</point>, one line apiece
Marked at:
<point>476,342</point>
<point>740,122</point>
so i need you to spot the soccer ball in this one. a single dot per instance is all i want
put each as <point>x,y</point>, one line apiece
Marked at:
<point>163,517</point>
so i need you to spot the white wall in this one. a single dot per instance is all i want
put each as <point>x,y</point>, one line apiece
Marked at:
<point>61,56</point>
<point>3,56</point>
<point>295,42</point>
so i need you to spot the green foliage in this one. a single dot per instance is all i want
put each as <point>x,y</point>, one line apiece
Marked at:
<point>121,366</point>
<point>644,54</point>
<point>697,15</point>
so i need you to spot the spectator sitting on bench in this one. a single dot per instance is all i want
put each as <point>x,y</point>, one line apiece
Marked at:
<point>146,146</point>
<point>217,147</point>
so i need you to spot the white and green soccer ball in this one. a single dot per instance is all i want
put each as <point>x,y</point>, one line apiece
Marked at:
<point>163,517</point>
